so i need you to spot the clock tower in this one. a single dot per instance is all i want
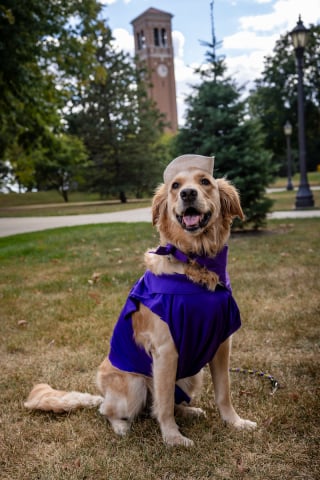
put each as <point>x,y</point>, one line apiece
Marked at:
<point>153,46</point>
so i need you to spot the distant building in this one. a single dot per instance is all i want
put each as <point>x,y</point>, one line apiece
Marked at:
<point>153,45</point>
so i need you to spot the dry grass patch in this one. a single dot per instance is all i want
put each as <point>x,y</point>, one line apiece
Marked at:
<point>60,294</point>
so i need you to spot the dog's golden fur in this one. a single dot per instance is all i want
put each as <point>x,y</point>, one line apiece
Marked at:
<point>220,198</point>
<point>204,230</point>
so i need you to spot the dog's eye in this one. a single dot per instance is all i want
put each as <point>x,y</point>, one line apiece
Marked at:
<point>175,185</point>
<point>204,181</point>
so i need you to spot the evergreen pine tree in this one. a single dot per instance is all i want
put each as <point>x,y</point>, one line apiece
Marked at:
<point>118,124</point>
<point>217,125</point>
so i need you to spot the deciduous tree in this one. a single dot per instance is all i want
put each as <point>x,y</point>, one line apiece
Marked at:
<point>46,51</point>
<point>119,125</point>
<point>274,99</point>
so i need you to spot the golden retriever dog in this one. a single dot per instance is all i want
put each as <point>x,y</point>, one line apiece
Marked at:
<point>179,317</point>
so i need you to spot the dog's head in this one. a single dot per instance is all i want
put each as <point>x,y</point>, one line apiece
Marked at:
<point>194,211</point>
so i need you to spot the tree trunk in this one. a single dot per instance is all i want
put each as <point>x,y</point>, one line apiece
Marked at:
<point>65,195</point>
<point>123,197</point>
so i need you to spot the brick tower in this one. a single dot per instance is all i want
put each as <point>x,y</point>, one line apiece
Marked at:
<point>153,45</point>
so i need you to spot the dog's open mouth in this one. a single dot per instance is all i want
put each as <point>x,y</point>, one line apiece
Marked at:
<point>193,220</point>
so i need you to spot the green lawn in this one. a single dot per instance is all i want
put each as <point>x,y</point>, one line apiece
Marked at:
<point>313,179</point>
<point>61,292</point>
<point>286,200</point>
<point>51,203</point>
<point>76,208</point>
<point>43,198</point>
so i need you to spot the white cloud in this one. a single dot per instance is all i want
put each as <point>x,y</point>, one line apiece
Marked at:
<point>108,2</point>
<point>258,34</point>
<point>178,41</point>
<point>248,65</point>
<point>184,74</point>
<point>245,68</point>
<point>246,40</point>
<point>185,78</point>
<point>284,16</point>
<point>123,40</point>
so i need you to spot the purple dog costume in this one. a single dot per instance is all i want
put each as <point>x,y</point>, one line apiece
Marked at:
<point>199,319</point>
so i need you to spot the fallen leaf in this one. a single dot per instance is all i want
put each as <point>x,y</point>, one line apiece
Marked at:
<point>240,466</point>
<point>246,392</point>
<point>22,323</point>
<point>267,422</point>
<point>95,297</point>
<point>294,396</point>
<point>94,278</point>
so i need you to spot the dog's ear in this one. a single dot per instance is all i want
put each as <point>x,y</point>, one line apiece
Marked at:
<point>159,203</point>
<point>230,200</point>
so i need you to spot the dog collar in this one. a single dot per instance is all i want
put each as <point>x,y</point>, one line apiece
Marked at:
<point>218,264</point>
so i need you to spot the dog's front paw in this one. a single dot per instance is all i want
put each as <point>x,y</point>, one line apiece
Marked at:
<point>202,276</point>
<point>176,439</point>
<point>120,427</point>
<point>242,424</point>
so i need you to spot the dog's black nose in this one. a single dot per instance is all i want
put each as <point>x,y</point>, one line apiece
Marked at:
<point>188,194</point>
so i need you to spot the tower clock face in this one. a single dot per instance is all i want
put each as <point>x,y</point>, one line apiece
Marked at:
<point>162,70</point>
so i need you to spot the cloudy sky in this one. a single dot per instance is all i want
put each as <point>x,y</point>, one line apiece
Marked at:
<point>248,30</point>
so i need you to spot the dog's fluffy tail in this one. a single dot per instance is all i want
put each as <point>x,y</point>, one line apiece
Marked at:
<point>43,397</point>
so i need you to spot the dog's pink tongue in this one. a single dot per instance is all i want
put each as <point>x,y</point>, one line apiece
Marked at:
<point>191,220</point>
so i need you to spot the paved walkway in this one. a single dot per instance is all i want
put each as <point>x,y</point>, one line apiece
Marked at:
<point>13,226</point>
<point>283,189</point>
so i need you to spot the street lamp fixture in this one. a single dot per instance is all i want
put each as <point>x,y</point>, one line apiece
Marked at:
<point>304,197</point>
<point>288,132</point>
<point>299,35</point>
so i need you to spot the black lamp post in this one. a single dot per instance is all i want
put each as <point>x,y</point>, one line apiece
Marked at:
<point>288,132</point>
<point>304,197</point>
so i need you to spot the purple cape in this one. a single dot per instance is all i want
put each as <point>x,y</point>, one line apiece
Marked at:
<point>199,321</point>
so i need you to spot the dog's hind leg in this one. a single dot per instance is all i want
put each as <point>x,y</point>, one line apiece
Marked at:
<point>44,397</point>
<point>191,386</point>
<point>219,368</point>
<point>125,396</point>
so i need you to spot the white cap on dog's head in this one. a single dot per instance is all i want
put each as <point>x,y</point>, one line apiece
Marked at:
<point>184,162</point>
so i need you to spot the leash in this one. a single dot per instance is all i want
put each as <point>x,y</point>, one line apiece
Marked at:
<point>275,385</point>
